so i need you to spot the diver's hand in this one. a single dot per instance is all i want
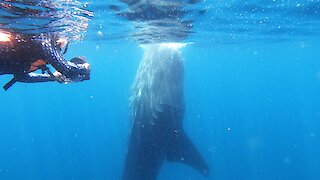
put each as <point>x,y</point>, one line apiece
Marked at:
<point>61,78</point>
<point>84,66</point>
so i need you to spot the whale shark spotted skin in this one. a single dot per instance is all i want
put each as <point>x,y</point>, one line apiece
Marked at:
<point>157,112</point>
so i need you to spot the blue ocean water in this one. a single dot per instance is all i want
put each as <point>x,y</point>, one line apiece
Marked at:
<point>252,108</point>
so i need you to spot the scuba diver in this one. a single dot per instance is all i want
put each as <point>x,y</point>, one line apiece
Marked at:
<point>22,55</point>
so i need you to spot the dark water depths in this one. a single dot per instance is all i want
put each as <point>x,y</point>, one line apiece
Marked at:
<point>252,91</point>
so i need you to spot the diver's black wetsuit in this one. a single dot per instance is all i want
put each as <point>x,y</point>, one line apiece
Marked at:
<point>17,56</point>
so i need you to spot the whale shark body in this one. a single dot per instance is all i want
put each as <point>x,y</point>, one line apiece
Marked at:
<point>157,112</point>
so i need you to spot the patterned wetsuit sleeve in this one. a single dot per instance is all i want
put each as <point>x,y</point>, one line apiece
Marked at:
<point>55,58</point>
<point>34,78</point>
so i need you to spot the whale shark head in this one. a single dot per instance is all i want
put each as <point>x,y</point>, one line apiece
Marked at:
<point>159,80</point>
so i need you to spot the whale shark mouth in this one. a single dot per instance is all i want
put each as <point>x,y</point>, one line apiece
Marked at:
<point>175,46</point>
<point>171,45</point>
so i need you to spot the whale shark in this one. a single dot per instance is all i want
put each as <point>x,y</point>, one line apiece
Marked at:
<point>157,111</point>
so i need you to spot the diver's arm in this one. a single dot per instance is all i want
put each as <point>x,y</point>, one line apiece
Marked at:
<point>34,78</point>
<point>68,69</point>
<point>29,78</point>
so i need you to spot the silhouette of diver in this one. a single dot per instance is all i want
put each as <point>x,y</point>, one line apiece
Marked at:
<point>22,54</point>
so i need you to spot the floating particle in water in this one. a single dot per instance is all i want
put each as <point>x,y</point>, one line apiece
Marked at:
<point>100,34</point>
<point>287,160</point>
<point>318,75</point>
<point>229,129</point>
<point>261,171</point>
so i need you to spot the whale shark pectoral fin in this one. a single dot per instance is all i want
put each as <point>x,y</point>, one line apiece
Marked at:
<point>181,149</point>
